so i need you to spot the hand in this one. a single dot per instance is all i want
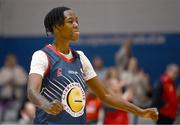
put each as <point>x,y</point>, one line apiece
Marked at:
<point>151,113</point>
<point>53,108</point>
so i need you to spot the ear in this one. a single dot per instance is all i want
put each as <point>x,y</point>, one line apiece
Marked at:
<point>57,28</point>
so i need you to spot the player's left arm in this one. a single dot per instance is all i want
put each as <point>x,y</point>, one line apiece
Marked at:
<point>97,86</point>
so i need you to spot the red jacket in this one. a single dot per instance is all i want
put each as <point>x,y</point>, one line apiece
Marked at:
<point>93,105</point>
<point>170,98</point>
<point>116,117</point>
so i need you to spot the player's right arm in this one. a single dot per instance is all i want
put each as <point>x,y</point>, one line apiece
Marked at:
<point>39,65</point>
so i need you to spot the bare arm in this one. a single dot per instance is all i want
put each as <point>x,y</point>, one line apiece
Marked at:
<point>33,91</point>
<point>97,86</point>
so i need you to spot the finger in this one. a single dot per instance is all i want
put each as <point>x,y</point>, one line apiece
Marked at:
<point>155,116</point>
<point>156,113</point>
<point>49,112</point>
<point>54,108</point>
<point>57,103</point>
<point>57,107</point>
<point>155,109</point>
<point>53,112</point>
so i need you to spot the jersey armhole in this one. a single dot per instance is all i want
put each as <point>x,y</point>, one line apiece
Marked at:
<point>48,68</point>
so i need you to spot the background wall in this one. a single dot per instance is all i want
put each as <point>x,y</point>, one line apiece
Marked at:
<point>25,17</point>
<point>101,22</point>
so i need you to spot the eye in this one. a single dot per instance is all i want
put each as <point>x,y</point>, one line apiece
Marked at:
<point>70,21</point>
<point>77,22</point>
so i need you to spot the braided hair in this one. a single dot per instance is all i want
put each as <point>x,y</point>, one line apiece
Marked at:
<point>53,17</point>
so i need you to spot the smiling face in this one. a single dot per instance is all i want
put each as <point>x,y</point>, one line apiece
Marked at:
<point>69,31</point>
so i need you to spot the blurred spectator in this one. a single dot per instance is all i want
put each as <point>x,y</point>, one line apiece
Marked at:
<point>27,113</point>
<point>139,82</point>
<point>123,54</point>
<point>99,67</point>
<point>178,92</point>
<point>177,121</point>
<point>114,85</point>
<point>165,97</point>
<point>12,87</point>
<point>93,106</point>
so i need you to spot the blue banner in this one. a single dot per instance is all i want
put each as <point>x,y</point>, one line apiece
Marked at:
<point>153,50</point>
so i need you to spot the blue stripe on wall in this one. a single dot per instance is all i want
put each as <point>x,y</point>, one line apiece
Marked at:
<point>152,57</point>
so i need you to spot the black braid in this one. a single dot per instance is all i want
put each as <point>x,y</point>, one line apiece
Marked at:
<point>55,16</point>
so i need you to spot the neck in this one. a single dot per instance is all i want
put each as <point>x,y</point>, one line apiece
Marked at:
<point>61,45</point>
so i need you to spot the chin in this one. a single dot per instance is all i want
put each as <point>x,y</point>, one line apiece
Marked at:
<point>75,39</point>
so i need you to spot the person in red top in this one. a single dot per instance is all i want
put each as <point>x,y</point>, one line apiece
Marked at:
<point>116,86</point>
<point>165,98</point>
<point>93,106</point>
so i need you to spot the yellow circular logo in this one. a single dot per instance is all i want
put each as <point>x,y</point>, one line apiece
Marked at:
<point>73,98</point>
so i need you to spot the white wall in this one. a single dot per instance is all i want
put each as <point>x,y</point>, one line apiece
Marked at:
<point>1,16</point>
<point>25,17</point>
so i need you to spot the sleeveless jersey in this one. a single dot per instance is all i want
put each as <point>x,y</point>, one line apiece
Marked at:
<point>64,81</point>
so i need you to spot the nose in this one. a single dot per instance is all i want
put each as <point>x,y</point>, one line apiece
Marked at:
<point>75,24</point>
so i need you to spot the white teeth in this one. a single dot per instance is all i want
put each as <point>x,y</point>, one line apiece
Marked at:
<point>76,32</point>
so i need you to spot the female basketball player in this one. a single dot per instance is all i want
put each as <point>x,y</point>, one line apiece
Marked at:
<point>59,76</point>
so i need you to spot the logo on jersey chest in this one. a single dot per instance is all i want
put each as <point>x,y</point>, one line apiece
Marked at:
<point>59,72</point>
<point>73,99</point>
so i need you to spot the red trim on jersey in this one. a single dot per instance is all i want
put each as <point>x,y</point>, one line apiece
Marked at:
<point>61,55</point>
<point>48,68</point>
